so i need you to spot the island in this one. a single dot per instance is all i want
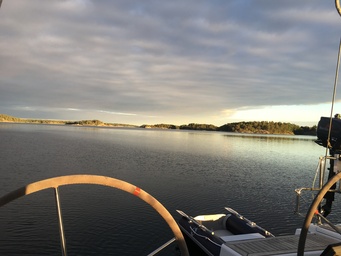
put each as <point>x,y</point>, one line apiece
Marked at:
<point>254,127</point>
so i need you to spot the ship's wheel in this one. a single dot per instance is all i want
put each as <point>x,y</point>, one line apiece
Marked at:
<point>313,210</point>
<point>338,7</point>
<point>56,182</point>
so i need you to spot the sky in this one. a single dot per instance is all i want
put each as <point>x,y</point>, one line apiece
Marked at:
<point>174,62</point>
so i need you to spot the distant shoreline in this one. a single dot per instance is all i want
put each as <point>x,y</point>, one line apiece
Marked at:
<point>256,127</point>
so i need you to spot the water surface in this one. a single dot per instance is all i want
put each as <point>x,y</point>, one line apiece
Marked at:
<point>197,172</point>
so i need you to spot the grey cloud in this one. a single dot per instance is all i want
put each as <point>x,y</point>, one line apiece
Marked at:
<point>164,58</point>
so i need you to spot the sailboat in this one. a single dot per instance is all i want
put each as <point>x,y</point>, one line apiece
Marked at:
<point>228,233</point>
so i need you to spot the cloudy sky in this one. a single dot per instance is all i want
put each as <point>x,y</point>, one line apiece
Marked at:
<point>176,62</point>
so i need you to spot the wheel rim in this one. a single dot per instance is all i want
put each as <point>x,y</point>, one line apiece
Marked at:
<point>312,209</point>
<point>104,181</point>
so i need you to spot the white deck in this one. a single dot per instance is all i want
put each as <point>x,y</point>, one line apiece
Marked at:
<point>284,245</point>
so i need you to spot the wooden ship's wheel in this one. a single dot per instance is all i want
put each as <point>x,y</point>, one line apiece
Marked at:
<point>55,183</point>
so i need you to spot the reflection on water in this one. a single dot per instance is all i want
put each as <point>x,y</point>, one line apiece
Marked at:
<point>198,172</point>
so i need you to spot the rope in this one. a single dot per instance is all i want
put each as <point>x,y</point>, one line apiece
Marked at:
<point>205,237</point>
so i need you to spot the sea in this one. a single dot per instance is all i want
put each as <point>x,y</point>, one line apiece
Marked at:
<point>198,172</point>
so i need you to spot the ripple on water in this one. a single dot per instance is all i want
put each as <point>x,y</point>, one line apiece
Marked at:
<point>192,171</point>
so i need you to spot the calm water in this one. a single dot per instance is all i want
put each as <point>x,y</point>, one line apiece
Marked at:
<point>197,172</point>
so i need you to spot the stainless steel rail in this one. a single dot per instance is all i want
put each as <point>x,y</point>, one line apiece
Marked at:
<point>320,173</point>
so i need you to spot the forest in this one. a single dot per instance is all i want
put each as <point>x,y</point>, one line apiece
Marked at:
<point>7,118</point>
<point>263,127</point>
<point>266,127</point>
<point>258,127</point>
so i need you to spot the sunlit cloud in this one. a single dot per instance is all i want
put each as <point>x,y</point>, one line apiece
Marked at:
<point>178,62</point>
<point>117,113</point>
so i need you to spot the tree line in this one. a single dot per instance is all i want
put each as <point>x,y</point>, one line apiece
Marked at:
<point>263,127</point>
<point>266,127</point>
<point>94,122</point>
<point>86,122</point>
<point>7,118</point>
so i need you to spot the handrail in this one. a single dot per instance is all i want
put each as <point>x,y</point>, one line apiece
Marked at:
<point>104,181</point>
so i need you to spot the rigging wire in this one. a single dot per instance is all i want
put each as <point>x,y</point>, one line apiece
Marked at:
<point>333,98</point>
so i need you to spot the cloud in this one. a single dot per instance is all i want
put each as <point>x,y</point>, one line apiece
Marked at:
<point>178,60</point>
<point>117,113</point>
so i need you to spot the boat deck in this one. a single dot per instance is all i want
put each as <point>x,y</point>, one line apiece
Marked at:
<point>280,245</point>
